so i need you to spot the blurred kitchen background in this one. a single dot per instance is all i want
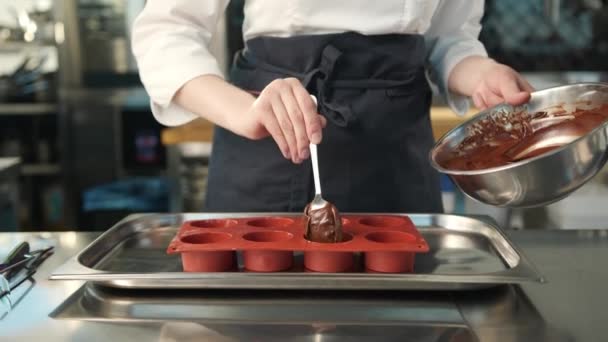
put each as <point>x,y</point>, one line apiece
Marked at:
<point>79,148</point>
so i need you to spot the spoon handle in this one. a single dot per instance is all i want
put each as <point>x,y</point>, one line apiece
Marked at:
<point>315,168</point>
<point>315,160</point>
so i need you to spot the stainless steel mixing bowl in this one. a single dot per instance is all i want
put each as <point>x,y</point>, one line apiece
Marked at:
<point>546,178</point>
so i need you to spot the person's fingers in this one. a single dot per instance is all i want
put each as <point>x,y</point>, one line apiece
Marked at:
<point>323,121</point>
<point>491,99</point>
<point>297,121</point>
<point>313,122</point>
<point>272,126</point>
<point>524,84</point>
<point>287,128</point>
<point>478,101</point>
<point>518,98</point>
<point>512,91</point>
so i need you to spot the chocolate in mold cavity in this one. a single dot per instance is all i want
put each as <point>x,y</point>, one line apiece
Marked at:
<point>323,224</point>
<point>504,138</point>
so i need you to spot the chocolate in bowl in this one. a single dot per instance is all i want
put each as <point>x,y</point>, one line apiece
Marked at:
<point>502,139</point>
<point>530,169</point>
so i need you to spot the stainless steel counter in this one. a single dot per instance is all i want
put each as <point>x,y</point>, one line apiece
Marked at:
<point>571,306</point>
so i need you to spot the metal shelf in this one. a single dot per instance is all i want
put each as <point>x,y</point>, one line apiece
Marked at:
<point>19,46</point>
<point>40,169</point>
<point>9,167</point>
<point>28,108</point>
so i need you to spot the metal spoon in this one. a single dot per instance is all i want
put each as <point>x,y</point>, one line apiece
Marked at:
<point>318,201</point>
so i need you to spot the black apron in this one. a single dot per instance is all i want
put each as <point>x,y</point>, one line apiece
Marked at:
<point>373,157</point>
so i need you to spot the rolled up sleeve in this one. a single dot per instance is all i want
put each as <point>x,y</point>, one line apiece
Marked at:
<point>453,36</point>
<point>171,46</point>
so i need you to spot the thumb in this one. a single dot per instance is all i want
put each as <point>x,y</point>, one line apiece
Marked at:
<point>518,98</point>
<point>512,90</point>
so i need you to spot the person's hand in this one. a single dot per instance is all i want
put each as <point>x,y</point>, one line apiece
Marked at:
<point>489,83</point>
<point>499,84</point>
<point>283,110</point>
<point>287,112</point>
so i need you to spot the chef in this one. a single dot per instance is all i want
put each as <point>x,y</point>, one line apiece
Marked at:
<point>371,67</point>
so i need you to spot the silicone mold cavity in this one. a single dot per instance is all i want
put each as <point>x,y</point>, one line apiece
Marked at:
<point>213,223</point>
<point>270,222</point>
<point>390,261</point>
<point>267,260</point>
<point>205,238</point>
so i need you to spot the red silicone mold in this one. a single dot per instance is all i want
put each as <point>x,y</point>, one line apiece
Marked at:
<point>207,260</point>
<point>390,261</point>
<point>267,260</point>
<point>329,261</point>
<point>388,244</point>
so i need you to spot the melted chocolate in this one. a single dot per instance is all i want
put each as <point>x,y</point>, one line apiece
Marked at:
<point>502,139</point>
<point>323,224</point>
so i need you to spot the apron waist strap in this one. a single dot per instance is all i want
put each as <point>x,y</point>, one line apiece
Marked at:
<point>320,80</point>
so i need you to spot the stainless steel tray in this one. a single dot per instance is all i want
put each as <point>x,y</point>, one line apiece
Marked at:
<point>465,253</point>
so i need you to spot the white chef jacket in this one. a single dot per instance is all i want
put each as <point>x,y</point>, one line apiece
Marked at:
<point>171,38</point>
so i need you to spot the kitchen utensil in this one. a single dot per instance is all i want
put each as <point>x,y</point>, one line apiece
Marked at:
<point>543,179</point>
<point>19,267</point>
<point>15,257</point>
<point>317,202</point>
<point>20,259</point>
